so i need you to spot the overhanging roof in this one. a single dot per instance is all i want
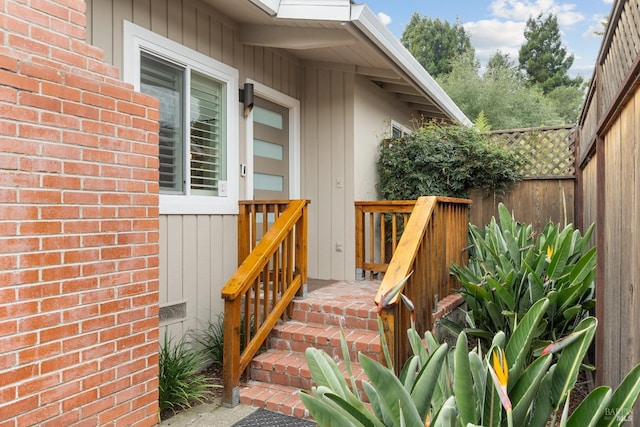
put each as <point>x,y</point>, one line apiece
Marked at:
<point>341,32</point>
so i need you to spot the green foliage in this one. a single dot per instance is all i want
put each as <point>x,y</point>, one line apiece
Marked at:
<point>444,160</point>
<point>501,93</point>
<point>434,43</point>
<point>180,383</point>
<point>567,101</point>
<point>543,57</point>
<point>511,268</point>
<point>443,387</point>
<point>211,339</point>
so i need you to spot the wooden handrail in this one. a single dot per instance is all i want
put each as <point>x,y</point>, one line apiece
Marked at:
<point>434,237</point>
<point>379,225</point>
<point>262,289</point>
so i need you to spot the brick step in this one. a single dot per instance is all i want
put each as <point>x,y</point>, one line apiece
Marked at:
<point>290,369</point>
<point>274,397</point>
<point>350,305</point>
<point>297,336</point>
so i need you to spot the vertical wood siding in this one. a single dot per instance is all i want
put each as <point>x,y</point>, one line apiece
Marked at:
<point>328,156</point>
<point>621,251</point>
<point>589,195</point>
<point>197,252</point>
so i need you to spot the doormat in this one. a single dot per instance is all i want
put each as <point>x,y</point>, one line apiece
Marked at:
<point>264,418</point>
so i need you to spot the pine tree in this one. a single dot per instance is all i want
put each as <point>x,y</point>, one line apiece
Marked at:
<point>435,43</point>
<point>542,56</point>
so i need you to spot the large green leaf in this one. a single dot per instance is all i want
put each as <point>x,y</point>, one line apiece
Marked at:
<point>591,408</point>
<point>462,382</point>
<point>325,372</point>
<point>426,381</point>
<point>391,393</point>
<point>583,267</point>
<point>326,412</point>
<point>560,256</point>
<point>446,417</point>
<point>542,409</point>
<point>623,399</point>
<point>569,361</point>
<point>525,390</point>
<point>506,297</point>
<point>519,346</point>
<point>479,373</point>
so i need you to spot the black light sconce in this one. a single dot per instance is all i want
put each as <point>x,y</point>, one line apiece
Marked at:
<point>246,97</point>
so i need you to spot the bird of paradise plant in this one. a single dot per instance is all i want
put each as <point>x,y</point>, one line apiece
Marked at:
<point>439,386</point>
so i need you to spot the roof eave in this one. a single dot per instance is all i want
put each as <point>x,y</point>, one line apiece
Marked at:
<point>367,22</point>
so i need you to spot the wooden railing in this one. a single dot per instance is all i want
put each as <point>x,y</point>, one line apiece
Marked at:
<point>273,270</point>
<point>379,225</point>
<point>434,236</point>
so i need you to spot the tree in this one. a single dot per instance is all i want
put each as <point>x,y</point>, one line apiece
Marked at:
<point>502,94</point>
<point>435,43</point>
<point>543,57</point>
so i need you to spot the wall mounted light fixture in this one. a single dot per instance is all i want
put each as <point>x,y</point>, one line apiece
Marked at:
<point>246,97</point>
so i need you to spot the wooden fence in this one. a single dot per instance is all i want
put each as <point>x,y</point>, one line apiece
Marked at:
<point>609,188</point>
<point>547,191</point>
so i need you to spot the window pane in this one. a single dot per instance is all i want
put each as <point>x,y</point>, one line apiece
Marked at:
<point>267,117</point>
<point>268,149</point>
<point>208,157</point>
<point>263,181</point>
<point>165,82</point>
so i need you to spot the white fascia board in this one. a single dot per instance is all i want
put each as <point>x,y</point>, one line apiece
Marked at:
<point>317,10</point>
<point>268,6</point>
<point>367,22</point>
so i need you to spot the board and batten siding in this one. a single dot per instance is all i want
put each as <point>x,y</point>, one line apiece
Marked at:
<point>327,161</point>
<point>621,251</point>
<point>198,253</point>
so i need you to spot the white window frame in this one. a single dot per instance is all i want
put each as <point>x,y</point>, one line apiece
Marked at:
<point>138,39</point>
<point>402,128</point>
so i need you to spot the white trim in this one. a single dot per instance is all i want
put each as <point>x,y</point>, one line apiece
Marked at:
<point>136,39</point>
<point>269,6</point>
<point>293,105</point>
<point>396,125</point>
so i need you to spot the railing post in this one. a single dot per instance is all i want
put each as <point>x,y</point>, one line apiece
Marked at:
<point>359,242</point>
<point>244,233</point>
<point>231,353</point>
<point>301,249</point>
<point>389,326</point>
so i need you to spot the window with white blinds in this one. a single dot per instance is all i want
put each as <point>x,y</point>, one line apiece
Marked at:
<point>207,135</point>
<point>199,150</point>
<point>205,129</point>
<point>165,81</point>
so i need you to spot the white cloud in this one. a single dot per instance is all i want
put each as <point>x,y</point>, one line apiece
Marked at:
<point>607,1</point>
<point>521,10</point>
<point>595,27</point>
<point>488,36</point>
<point>384,18</point>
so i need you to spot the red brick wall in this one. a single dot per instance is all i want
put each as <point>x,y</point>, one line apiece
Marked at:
<point>78,228</point>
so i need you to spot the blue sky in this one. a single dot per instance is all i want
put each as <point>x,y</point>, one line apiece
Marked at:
<point>499,24</point>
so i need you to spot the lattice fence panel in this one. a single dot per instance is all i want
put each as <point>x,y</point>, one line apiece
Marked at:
<point>545,152</point>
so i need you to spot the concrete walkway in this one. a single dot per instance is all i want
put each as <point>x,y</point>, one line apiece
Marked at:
<point>209,415</point>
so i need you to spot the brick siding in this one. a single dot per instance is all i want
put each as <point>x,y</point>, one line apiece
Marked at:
<point>78,228</point>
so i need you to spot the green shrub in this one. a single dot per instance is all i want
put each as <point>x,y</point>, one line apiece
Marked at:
<point>510,268</point>
<point>180,383</point>
<point>443,160</point>
<point>442,387</point>
<point>211,339</point>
